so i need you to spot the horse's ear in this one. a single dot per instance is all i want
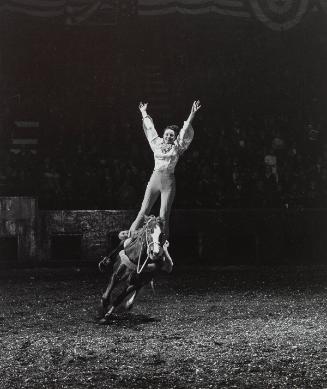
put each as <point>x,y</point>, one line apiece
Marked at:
<point>146,218</point>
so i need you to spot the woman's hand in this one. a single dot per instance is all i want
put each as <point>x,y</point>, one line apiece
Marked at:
<point>195,107</point>
<point>143,107</point>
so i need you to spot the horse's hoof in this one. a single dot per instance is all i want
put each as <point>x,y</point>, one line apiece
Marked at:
<point>103,264</point>
<point>128,306</point>
<point>104,320</point>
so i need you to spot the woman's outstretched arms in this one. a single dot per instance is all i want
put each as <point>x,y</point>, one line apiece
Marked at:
<point>186,134</point>
<point>148,126</point>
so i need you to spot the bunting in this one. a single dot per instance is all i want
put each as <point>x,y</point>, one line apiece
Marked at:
<point>193,7</point>
<point>68,11</point>
<point>278,15</point>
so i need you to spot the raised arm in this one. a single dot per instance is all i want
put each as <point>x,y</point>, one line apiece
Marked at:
<point>186,134</point>
<point>148,126</point>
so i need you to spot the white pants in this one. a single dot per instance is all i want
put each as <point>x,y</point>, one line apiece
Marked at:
<point>163,183</point>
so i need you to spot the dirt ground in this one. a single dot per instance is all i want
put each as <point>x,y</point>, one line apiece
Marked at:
<point>203,328</point>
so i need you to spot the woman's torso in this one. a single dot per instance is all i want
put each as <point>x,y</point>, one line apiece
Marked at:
<point>165,157</point>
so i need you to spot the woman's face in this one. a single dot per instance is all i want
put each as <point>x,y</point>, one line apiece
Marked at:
<point>169,136</point>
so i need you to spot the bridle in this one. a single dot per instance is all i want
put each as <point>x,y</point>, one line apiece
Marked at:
<point>149,244</point>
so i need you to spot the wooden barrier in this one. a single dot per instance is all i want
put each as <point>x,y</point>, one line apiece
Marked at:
<point>216,237</point>
<point>94,228</point>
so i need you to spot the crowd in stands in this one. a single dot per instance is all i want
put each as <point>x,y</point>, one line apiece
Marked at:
<point>263,164</point>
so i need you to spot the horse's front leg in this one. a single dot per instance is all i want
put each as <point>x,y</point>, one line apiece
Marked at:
<point>129,289</point>
<point>114,279</point>
<point>118,276</point>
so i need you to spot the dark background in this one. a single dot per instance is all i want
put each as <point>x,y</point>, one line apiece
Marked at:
<point>263,93</point>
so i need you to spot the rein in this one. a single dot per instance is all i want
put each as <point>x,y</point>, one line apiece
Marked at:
<point>140,267</point>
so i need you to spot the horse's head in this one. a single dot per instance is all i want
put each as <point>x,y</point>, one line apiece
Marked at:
<point>155,237</point>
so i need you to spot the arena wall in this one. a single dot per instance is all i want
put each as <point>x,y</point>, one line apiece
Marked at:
<point>215,237</point>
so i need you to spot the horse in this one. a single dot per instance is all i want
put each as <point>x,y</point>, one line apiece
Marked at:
<point>135,263</point>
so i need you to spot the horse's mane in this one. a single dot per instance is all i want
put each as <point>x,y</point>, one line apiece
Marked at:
<point>157,219</point>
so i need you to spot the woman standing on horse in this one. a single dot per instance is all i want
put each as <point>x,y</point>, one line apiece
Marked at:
<point>167,151</point>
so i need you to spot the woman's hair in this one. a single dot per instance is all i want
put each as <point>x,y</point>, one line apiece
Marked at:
<point>173,127</point>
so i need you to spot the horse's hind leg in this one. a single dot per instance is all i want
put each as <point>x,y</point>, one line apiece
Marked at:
<point>130,302</point>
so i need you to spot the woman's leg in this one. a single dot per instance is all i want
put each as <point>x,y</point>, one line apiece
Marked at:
<point>167,198</point>
<point>151,194</point>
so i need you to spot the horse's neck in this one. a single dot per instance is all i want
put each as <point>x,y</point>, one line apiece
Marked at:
<point>134,248</point>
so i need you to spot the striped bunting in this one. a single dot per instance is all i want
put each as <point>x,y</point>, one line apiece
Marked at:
<point>280,15</point>
<point>276,14</point>
<point>73,11</point>
<point>193,7</point>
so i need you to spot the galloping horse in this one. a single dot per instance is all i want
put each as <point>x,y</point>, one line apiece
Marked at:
<point>143,256</point>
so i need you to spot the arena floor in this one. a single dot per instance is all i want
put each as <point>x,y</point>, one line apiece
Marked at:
<point>203,328</point>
